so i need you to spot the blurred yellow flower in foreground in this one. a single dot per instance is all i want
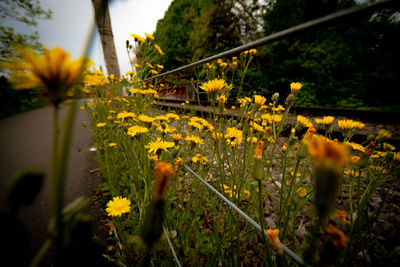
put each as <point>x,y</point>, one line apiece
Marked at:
<point>326,152</point>
<point>118,206</point>
<point>53,71</point>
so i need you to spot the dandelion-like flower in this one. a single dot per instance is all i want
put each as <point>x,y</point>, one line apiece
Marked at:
<point>194,139</point>
<point>149,36</point>
<point>54,71</point>
<point>295,88</point>
<point>158,49</point>
<point>221,99</point>
<point>301,191</point>
<point>355,146</point>
<point>303,122</point>
<point>259,100</point>
<point>233,136</point>
<point>213,86</point>
<point>137,38</point>
<point>118,206</point>
<point>158,145</point>
<point>101,124</point>
<point>200,159</point>
<point>327,120</point>
<point>145,118</point>
<point>350,124</point>
<point>136,130</point>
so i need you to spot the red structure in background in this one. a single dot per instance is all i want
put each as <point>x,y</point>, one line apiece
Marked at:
<point>175,86</point>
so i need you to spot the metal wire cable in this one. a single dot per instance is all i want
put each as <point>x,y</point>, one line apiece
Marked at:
<point>289,252</point>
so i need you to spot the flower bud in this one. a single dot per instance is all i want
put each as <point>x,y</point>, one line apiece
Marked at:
<point>290,100</point>
<point>275,97</point>
<point>258,170</point>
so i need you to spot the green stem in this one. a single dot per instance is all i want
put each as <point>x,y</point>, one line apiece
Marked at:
<point>261,215</point>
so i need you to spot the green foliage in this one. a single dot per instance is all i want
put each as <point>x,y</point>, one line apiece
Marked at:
<point>27,12</point>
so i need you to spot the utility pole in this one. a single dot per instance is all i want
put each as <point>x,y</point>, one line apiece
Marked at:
<point>103,22</point>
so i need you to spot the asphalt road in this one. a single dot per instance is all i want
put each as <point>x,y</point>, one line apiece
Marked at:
<point>25,140</point>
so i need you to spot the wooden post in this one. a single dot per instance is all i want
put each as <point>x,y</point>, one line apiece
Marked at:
<point>103,22</point>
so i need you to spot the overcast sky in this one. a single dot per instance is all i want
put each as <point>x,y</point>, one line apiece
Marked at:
<point>70,24</point>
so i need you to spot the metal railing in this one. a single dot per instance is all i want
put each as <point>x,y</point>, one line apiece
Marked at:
<point>299,29</point>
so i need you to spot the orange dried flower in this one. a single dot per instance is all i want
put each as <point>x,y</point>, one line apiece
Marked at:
<point>163,171</point>
<point>273,236</point>
<point>338,238</point>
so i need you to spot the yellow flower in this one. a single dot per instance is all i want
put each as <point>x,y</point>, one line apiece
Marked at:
<point>233,136</point>
<point>158,48</point>
<point>101,124</point>
<point>178,162</point>
<point>149,65</point>
<point>172,116</point>
<point>259,100</point>
<point>383,134</point>
<point>194,139</point>
<point>252,140</point>
<point>271,118</point>
<point>163,171</point>
<point>149,36</point>
<point>350,124</point>
<point>154,72</point>
<point>351,172</point>
<point>199,158</point>
<point>177,137</point>
<point>135,130</point>
<point>138,38</point>
<point>53,71</point>
<point>221,99</point>
<point>145,118</point>
<point>326,152</point>
<point>118,206</point>
<point>273,236</point>
<point>246,192</point>
<point>195,124</point>
<point>244,100</point>
<point>217,136</point>
<point>301,191</point>
<point>356,146</point>
<point>327,120</point>
<point>112,144</point>
<point>159,66</point>
<point>159,145</point>
<point>253,51</point>
<point>124,114</point>
<point>388,147</point>
<point>213,86</point>
<point>295,88</point>
<point>303,122</point>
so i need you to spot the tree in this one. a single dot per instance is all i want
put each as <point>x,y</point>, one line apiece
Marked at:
<point>27,12</point>
<point>103,22</point>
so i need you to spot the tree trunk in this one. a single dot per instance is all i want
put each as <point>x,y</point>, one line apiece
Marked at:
<point>103,22</point>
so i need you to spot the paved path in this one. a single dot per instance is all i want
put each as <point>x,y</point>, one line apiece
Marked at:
<point>25,140</point>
